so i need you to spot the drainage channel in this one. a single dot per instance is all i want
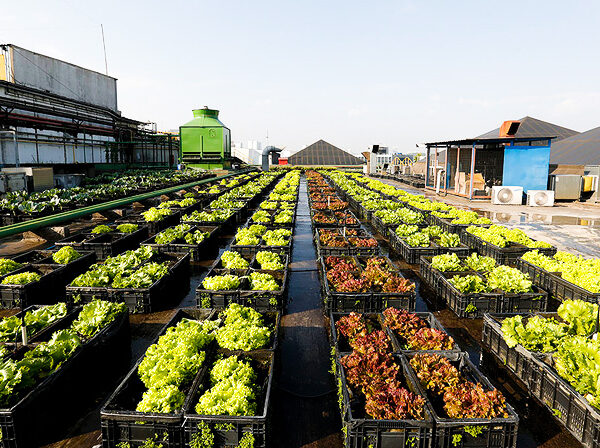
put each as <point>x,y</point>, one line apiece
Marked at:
<point>305,411</point>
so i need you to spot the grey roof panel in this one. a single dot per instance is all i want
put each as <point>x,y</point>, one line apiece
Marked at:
<point>323,153</point>
<point>532,127</point>
<point>579,149</point>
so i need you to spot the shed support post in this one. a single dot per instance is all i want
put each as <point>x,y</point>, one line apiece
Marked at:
<point>456,175</point>
<point>446,175</point>
<point>427,167</point>
<point>472,171</point>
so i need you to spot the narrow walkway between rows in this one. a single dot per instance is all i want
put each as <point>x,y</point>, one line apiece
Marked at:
<point>305,410</point>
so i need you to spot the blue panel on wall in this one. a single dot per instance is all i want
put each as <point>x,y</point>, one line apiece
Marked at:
<point>526,166</point>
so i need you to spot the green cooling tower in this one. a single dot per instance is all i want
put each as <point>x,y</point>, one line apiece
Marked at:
<point>205,141</point>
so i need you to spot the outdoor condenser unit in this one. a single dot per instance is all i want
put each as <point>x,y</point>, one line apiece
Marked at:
<point>540,198</point>
<point>507,195</point>
<point>566,186</point>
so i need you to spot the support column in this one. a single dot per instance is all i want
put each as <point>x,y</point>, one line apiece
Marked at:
<point>435,165</point>
<point>472,171</point>
<point>427,167</point>
<point>446,175</point>
<point>457,170</point>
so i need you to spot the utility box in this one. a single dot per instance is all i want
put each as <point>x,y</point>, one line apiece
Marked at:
<point>41,178</point>
<point>68,180</point>
<point>205,141</point>
<point>13,182</point>
<point>566,186</point>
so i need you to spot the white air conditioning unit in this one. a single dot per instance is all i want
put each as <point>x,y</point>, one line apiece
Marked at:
<point>540,198</point>
<point>507,195</point>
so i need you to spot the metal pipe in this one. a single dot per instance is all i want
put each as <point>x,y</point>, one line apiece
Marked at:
<point>472,171</point>
<point>58,218</point>
<point>17,164</point>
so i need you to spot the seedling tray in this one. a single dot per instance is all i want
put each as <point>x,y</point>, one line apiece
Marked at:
<point>69,385</point>
<point>122,424</point>
<point>229,430</point>
<point>494,433</point>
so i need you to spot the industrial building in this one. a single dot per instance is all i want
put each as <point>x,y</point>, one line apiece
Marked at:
<point>55,112</point>
<point>322,153</point>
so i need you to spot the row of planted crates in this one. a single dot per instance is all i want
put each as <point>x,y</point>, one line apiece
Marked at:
<point>71,345</point>
<point>40,277</point>
<point>254,271</point>
<point>554,355</point>
<point>353,274</point>
<point>207,379</point>
<point>403,381</point>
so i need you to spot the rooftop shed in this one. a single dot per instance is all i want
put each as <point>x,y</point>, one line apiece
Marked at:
<point>470,167</point>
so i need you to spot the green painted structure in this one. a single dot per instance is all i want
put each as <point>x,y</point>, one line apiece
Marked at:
<point>205,141</point>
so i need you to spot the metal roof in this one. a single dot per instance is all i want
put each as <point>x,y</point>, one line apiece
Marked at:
<point>487,141</point>
<point>323,153</point>
<point>580,149</point>
<point>532,127</point>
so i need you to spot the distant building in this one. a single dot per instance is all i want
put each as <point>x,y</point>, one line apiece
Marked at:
<point>322,153</point>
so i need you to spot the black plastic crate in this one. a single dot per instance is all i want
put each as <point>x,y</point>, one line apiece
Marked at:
<point>473,305</point>
<point>340,342</point>
<point>227,223</point>
<point>250,251</point>
<point>197,252</point>
<point>44,333</point>
<point>43,291</point>
<point>517,360</point>
<point>229,430</point>
<point>142,300</point>
<point>447,226</point>
<point>558,287</point>
<point>119,420</point>
<point>154,227</point>
<point>258,300</point>
<point>432,322</point>
<point>409,253</point>
<point>362,431</point>
<point>107,244</point>
<point>450,433</point>
<point>34,415</point>
<point>502,255</point>
<point>567,406</point>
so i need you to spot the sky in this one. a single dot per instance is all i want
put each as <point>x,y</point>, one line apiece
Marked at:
<point>354,73</point>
